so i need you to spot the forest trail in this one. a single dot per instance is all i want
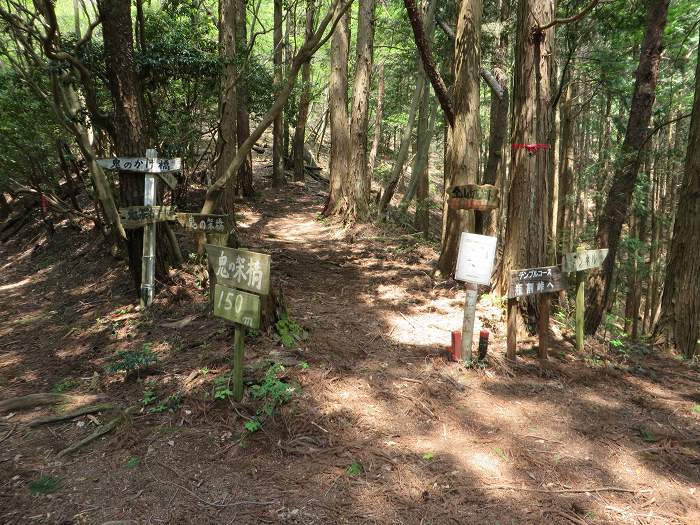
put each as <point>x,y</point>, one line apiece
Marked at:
<point>382,429</point>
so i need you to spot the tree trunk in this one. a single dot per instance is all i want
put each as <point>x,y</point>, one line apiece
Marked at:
<point>227,144</point>
<point>464,157</point>
<point>371,163</point>
<point>486,222</point>
<point>526,230</point>
<point>277,126</point>
<point>618,201</point>
<point>361,182</point>
<point>566,172</point>
<point>340,132</point>
<point>421,185</point>
<point>129,125</point>
<point>300,131</point>
<point>244,183</point>
<point>679,322</point>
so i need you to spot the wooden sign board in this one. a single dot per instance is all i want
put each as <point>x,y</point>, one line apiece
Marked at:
<point>205,223</point>
<point>239,307</point>
<point>474,197</point>
<point>141,164</point>
<point>138,216</point>
<point>583,260</point>
<point>546,279</point>
<point>169,179</point>
<point>240,268</point>
<point>475,258</point>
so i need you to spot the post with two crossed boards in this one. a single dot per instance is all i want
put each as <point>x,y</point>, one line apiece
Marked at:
<point>238,272</point>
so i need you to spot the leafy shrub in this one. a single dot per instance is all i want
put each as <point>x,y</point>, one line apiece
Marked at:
<point>132,360</point>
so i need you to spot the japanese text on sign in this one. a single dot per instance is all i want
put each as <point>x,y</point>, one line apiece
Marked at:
<point>585,260</point>
<point>534,281</point>
<point>141,165</point>
<point>240,268</point>
<point>205,223</point>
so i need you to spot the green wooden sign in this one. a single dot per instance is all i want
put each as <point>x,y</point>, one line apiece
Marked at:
<point>239,307</point>
<point>205,223</point>
<point>239,268</point>
<point>139,216</point>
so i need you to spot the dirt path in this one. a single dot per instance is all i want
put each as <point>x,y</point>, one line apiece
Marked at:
<point>382,429</point>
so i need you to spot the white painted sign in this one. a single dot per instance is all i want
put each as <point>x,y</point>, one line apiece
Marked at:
<point>141,164</point>
<point>476,257</point>
<point>583,260</point>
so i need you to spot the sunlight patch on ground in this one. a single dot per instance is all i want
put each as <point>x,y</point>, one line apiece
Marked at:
<point>429,329</point>
<point>9,359</point>
<point>15,285</point>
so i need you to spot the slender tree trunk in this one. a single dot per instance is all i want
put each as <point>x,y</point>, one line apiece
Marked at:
<point>371,163</point>
<point>340,131</point>
<point>465,136</point>
<point>526,230</point>
<point>422,169</point>
<point>359,208</point>
<point>227,144</point>
<point>566,173</point>
<point>129,124</point>
<point>300,131</point>
<point>244,183</point>
<point>277,126</point>
<point>679,322</point>
<point>617,204</point>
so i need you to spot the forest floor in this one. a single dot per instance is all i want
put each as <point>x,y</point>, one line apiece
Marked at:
<point>381,427</point>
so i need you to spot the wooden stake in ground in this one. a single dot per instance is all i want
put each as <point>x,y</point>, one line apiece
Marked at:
<point>474,265</point>
<point>579,262</point>
<point>149,238</point>
<point>532,281</point>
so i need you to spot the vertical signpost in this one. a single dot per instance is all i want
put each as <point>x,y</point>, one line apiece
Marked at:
<point>145,217</point>
<point>533,281</point>
<point>579,262</point>
<point>474,266</point>
<point>238,272</point>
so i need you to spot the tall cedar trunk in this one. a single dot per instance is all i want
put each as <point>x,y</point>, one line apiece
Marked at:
<point>372,161</point>
<point>244,182</point>
<point>129,125</point>
<point>464,157</point>
<point>227,143</point>
<point>359,206</point>
<point>487,221</point>
<point>422,168</point>
<point>420,163</point>
<point>338,103</point>
<point>277,126</point>
<point>618,201</point>
<point>566,171</point>
<point>304,100</point>
<point>679,322</point>
<point>526,230</point>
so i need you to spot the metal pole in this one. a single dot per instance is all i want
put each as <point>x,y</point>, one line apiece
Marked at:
<point>149,236</point>
<point>468,322</point>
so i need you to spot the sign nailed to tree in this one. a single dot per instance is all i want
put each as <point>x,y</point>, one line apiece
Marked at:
<point>583,260</point>
<point>141,164</point>
<point>546,279</point>
<point>474,197</point>
<point>205,223</point>
<point>240,268</point>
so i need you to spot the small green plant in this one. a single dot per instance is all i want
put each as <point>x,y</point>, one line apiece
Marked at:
<point>133,462</point>
<point>63,386</point>
<point>429,456</point>
<point>304,365</point>
<point>647,436</point>
<point>252,425</point>
<point>274,391</point>
<point>499,452</point>
<point>222,388</point>
<point>132,360</point>
<point>149,396</point>
<point>43,485</point>
<point>171,403</point>
<point>355,469</point>
<point>204,371</point>
<point>696,409</point>
<point>289,331</point>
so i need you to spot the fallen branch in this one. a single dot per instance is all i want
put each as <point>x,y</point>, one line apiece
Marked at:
<point>567,491</point>
<point>104,429</point>
<point>90,409</point>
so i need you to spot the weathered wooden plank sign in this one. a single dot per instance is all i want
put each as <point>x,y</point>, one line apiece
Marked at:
<point>474,197</point>
<point>205,223</point>
<point>475,258</point>
<point>139,216</point>
<point>169,179</point>
<point>240,268</point>
<point>141,164</point>
<point>237,306</point>
<point>583,260</point>
<point>532,281</point>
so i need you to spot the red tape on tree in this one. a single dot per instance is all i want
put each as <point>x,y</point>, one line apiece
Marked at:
<point>531,148</point>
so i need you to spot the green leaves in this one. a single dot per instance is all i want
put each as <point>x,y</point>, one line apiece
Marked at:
<point>355,469</point>
<point>647,435</point>
<point>43,485</point>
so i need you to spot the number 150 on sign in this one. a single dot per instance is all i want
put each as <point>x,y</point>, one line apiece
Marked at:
<point>237,306</point>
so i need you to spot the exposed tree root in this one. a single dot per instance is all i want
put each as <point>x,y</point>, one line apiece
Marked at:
<point>90,409</point>
<point>44,398</point>
<point>104,429</point>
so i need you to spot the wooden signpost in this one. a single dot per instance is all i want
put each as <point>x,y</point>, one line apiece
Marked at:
<point>533,281</point>
<point>579,262</point>
<point>198,222</point>
<point>474,197</point>
<point>138,216</point>
<point>237,272</point>
<point>474,266</point>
